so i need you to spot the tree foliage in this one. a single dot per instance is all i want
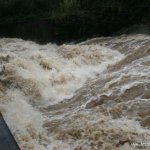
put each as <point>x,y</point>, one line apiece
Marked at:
<point>80,17</point>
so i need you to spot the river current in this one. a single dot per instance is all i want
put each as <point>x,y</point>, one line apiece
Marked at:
<point>93,95</point>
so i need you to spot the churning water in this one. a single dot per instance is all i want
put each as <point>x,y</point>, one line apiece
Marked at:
<point>89,96</point>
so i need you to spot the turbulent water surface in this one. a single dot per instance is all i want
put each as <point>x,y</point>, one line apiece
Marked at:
<point>90,96</point>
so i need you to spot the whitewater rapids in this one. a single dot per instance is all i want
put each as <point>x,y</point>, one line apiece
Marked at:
<point>94,95</point>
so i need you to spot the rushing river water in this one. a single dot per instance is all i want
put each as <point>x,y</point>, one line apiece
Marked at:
<point>94,95</point>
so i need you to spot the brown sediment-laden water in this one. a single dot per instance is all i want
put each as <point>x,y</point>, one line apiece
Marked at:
<point>94,95</point>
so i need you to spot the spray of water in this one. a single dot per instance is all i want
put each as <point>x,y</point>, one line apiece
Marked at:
<point>88,96</point>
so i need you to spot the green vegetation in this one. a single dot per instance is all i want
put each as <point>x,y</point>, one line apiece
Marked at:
<point>112,10</point>
<point>81,18</point>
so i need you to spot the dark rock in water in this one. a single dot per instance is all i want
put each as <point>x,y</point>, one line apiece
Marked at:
<point>7,140</point>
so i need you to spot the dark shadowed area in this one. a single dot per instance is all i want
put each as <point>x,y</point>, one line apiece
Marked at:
<point>72,20</point>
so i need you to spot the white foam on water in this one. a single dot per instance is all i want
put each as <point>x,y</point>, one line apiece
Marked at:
<point>35,76</point>
<point>57,77</point>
